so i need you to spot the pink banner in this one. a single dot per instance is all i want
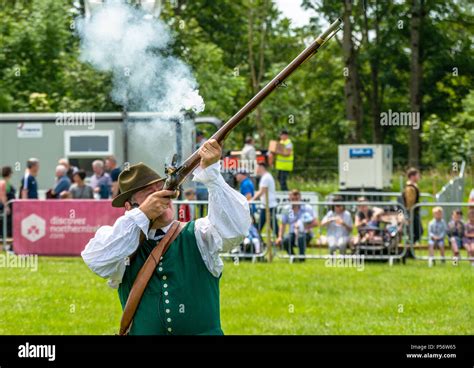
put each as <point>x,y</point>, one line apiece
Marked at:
<point>59,227</point>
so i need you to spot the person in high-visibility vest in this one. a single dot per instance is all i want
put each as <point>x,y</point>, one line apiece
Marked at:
<point>284,163</point>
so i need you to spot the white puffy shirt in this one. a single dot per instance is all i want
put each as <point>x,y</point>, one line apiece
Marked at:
<point>224,227</point>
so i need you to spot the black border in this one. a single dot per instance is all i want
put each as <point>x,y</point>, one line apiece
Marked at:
<point>314,350</point>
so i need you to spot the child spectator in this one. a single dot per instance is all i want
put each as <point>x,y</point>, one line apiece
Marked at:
<point>252,242</point>
<point>364,212</point>
<point>456,232</point>
<point>373,233</point>
<point>468,240</point>
<point>437,229</point>
<point>339,224</point>
<point>362,218</point>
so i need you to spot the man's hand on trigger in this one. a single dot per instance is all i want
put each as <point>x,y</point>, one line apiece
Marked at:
<point>156,203</point>
<point>210,153</point>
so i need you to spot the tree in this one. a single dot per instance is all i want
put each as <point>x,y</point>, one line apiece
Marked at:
<point>417,14</point>
<point>351,87</point>
<point>259,24</point>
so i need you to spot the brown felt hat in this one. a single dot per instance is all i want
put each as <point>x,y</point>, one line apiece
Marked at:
<point>133,180</point>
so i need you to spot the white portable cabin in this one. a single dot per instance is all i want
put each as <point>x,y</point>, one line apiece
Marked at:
<point>365,166</point>
<point>152,138</point>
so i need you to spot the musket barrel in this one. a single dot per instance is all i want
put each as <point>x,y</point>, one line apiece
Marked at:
<point>192,162</point>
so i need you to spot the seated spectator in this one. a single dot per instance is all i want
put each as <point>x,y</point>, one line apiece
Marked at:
<point>63,183</point>
<point>187,212</point>
<point>79,190</point>
<point>437,229</point>
<point>373,230</point>
<point>101,182</point>
<point>362,218</point>
<point>252,242</point>
<point>468,240</point>
<point>301,219</point>
<point>339,226</point>
<point>456,232</point>
<point>7,193</point>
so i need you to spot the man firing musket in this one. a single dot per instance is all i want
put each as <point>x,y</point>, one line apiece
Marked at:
<point>173,287</point>
<point>182,294</point>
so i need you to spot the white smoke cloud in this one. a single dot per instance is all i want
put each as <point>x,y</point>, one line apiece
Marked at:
<point>118,38</point>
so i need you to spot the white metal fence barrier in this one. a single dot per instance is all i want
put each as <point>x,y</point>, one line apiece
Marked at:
<point>394,244</point>
<point>413,247</point>
<point>391,239</point>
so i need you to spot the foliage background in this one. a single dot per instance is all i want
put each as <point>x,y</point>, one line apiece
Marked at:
<point>235,46</point>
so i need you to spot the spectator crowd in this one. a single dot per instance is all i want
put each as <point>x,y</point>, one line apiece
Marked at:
<point>70,183</point>
<point>291,225</point>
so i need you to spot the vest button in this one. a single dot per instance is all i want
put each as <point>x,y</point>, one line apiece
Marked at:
<point>160,269</point>
<point>164,277</point>
<point>168,319</point>
<point>167,311</point>
<point>170,329</point>
<point>167,301</point>
<point>165,286</point>
<point>166,293</point>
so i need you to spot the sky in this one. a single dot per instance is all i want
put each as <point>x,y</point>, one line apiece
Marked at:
<point>292,9</point>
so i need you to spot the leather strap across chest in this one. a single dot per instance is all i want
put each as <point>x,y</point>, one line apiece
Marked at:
<point>144,276</point>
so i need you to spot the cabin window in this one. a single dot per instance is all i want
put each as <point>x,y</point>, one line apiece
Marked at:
<point>80,143</point>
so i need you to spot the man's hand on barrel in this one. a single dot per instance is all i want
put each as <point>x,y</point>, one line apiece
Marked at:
<point>210,152</point>
<point>156,203</point>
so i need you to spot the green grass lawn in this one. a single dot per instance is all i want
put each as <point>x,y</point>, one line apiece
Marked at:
<point>64,297</point>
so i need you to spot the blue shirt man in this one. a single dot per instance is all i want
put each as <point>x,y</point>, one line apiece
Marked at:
<point>247,189</point>
<point>301,219</point>
<point>29,185</point>
<point>63,182</point>
<point>246,186</point>
<point>62,185</point>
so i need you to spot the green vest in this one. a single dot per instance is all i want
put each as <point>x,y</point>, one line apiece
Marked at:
<point>284,163</point>
<point>182,297</point>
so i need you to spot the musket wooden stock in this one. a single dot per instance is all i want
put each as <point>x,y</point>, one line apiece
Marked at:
<point>179,175</point>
